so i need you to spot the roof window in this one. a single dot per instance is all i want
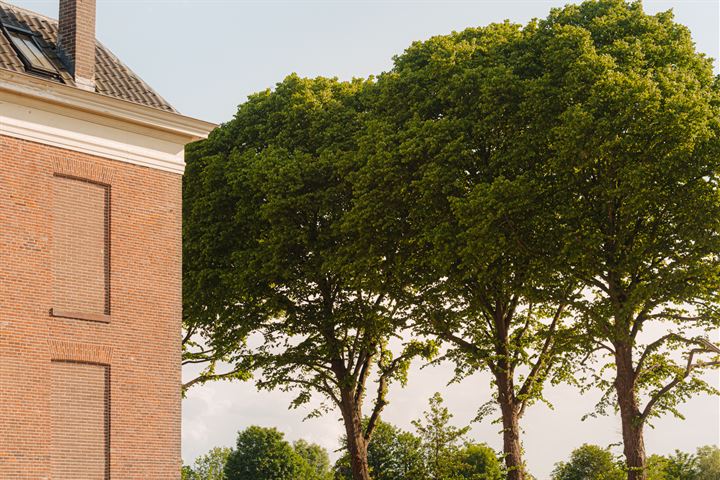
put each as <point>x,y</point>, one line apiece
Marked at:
<point>29,50</point>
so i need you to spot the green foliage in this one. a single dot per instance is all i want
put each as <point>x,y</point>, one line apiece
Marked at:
<point>589,462</point>
<point>455,163</point>
<point>632,144</point>
<point>268,252</point>
<point>479,462</point>
<point>681,466</point>
<point>186,473</point>
<point>708,462</point>
<point>656,467</point>
<point>393,454</point>
<point>522,193</point>
<point>439,451</point>
<point>441,441</point>
<point>317,461</point>
<point>210,466</point>
<point>263,454</point>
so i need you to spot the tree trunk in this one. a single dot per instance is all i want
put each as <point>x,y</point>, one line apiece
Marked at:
<point>630,415</point>
<point>356,443</point>
<point>512,447</point>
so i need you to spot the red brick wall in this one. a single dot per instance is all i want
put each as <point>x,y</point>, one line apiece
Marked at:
<point>140,345</point>
<point>79,421</point>
<point>80,254</point>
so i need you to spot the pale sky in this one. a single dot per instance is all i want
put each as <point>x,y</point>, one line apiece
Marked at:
<point>206,56</point>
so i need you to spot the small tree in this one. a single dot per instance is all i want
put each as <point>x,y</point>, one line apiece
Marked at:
<point>316,459</point>
<point>269,254</point>
<point>263,454</point>
<point>681,466</point>
<point>479,462</point>
<point>210,466</point>
<point>656,467</point>
<point>708,462</point>
<point>589,462</point>
<point>442,442</point>
<point>186,473</point>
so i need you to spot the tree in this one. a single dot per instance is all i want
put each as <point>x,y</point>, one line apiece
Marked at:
<point>632,147</point>
<point>316,459</point>
<point>210,466</point>
<point>198,348</point>
<point>461,175</point>
<point>263,454</point>
<point>708,462</point>
<point>479,462</point>
<point>656,467</point>
<point>393,454</point>
<point>441,441</point>
<point>439,451</point>
<point>269,254</point>
<point>681,466</point>
<point>186,473</point>
<point>589,462</point>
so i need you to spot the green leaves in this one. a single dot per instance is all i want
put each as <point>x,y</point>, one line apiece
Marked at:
<point>530,197</point>
<point>589,461</point>
<point>264,454</point>
<point>279,278</point>
<point>437,451</point>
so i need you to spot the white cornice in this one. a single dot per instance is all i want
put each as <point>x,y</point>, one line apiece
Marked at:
<point>44,128</point>
<point>66,117</point>
<point>118,110</point>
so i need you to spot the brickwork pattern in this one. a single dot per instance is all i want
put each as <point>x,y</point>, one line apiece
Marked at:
<point>81,253</point>
<point>141,343</point>
<point>76,36</point>
<point>79,421</point>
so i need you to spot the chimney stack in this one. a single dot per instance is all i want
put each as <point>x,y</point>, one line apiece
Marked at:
<point>76,40</point>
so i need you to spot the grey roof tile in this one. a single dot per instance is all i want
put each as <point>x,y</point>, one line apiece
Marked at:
<point>112,77</point>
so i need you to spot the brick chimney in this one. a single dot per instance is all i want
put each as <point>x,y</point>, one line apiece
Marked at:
<point>76,40</point>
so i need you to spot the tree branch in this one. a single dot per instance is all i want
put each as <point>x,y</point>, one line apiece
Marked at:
<point>531,378</point>
<point>206,378</point>
<point>688,370</point>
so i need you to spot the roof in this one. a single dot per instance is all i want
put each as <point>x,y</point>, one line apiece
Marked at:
<point>112,77</point>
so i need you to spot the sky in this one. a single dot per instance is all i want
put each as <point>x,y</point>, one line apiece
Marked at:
<point>207,56</point>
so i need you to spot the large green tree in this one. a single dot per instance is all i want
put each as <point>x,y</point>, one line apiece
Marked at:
<point>275,278</point>
<point>460,173</point>
<point>632,116</point>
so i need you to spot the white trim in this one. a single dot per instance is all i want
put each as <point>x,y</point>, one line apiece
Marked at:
<point>29,122</point>
<point>103,105</point>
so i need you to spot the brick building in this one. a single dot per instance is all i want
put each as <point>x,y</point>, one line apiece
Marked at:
<point>91,160</point>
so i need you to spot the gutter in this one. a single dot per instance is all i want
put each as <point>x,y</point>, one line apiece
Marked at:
<point>47,91</point>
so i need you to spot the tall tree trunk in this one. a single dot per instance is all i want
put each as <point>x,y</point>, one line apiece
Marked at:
<point>356,444</point>
<point>630,415</point>
<point>512,447</point>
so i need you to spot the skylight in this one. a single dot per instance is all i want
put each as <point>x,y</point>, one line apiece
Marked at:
<point>29,51</point>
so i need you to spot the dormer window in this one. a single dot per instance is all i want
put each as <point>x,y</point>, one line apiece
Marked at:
<point>29,51</point>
